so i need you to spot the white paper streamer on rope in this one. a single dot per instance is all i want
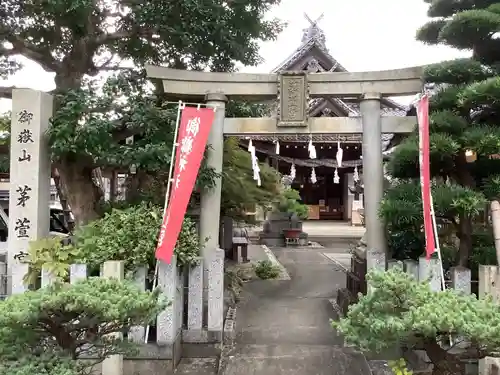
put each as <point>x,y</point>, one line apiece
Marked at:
<point>293,172</point>
<point>336,178</point>
<point>255,163</point>
<point>355,175</point>
<point>312,149</point>
<point>313,176</point>
<point>277,147</point>
<point>340,154</point>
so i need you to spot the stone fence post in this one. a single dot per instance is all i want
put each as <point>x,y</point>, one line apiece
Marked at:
<point>113,365</point>
<point>489,284</point>
<point>168,326</point>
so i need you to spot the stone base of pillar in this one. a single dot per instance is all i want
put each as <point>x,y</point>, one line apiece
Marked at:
<point>375,260</point>
<point>203,336</point>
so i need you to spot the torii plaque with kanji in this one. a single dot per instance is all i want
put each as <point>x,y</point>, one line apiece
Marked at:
<point>293,98</point>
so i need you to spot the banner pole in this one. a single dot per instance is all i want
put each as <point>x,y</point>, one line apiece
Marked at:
<point>175,144</point>
<point>438,247</point>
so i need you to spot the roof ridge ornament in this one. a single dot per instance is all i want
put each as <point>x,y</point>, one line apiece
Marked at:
<point>313,31</point>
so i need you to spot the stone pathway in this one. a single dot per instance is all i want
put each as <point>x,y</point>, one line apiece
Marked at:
<point>283,326</point>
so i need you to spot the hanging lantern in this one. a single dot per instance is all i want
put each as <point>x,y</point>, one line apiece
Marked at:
<point>340,154</point>
<point>336,177</point>
<point>277,147</point>
<point>355,175</point>
<point>292,172</point>
<point>313,176</point>
<point>312,149</point>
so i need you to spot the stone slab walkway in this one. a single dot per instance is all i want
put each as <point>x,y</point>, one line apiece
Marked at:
<point>283,326</point>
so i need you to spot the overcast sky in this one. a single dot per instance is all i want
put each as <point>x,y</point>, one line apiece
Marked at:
<point>361,34</point>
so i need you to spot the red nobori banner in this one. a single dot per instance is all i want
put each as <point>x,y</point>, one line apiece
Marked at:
<point>193,133</point>
<point>425,174</point>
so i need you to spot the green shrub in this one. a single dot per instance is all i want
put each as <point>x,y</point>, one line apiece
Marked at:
<point>265,269</point>
<point>49,330</point>
<point>130,235</point>
<point>400,309</point>
<point>289,202</point>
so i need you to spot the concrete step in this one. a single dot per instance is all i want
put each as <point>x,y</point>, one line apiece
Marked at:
<point>289,359</point>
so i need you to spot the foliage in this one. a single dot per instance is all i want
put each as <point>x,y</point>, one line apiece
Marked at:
<point>53,253</point>
<point>233,283</point>
<point>399,367</point>
<point>401,310</point>
<point>463,120</point>
<point>239,189</point>
<point>130,235</point>
<point>4,139</point>
<point>48,330</point>
<point>289,202</point>
<point>77,41</point>
<point>265,269</point>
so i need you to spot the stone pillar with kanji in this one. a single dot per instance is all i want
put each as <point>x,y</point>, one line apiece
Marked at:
<point>29,193</point>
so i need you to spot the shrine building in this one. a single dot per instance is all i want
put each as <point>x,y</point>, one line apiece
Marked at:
<point>322,182</point>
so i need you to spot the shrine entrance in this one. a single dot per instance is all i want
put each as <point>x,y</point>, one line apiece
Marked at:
<point>292,91</point>
<point>320,181</point>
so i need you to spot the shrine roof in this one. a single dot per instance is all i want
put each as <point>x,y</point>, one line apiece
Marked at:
<point>313,56</point>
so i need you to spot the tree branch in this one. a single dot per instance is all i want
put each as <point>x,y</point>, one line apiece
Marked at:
<point>30,51</point>
<point>111,37</point>
<point>122,34</point>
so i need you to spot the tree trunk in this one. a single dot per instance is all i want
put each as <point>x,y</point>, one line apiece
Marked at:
<point>444,362</point>
<point>143,185</point>
<point>464,178</point>
<point>63,199</point>
<point>465,235</point>
<point>82,193</point>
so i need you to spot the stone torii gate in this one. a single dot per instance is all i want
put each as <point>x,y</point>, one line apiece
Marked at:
<point>293,90</point>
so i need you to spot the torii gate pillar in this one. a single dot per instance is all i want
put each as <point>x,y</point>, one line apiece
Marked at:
<point>373,178</point>
<point>211,198</point>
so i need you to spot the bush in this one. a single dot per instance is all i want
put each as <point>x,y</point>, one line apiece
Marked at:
<point>265,269</point>
<point>48,330</point>
<point>402,310</point>
<point>129,234</point>
<point>289,202</point>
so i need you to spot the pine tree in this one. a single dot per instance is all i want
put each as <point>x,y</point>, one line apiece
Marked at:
<point>464,128</point>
